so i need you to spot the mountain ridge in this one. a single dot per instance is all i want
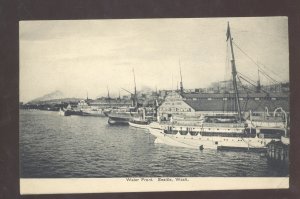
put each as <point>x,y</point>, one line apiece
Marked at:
<point>57,94</point>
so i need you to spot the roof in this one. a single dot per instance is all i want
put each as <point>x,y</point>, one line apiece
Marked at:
<point>229,95</point>
<point>246,105</point>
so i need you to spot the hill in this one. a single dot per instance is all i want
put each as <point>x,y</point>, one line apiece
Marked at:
<point>53,95</point>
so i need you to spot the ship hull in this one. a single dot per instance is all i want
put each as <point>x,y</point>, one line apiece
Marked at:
<point>118,121</point>
<point>93,114</point>
<point>120,118</point>
<point>210,142</point>
<point>141,126</point>
<point>72,112</point>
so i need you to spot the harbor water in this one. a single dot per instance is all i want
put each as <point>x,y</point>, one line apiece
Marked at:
<point>54,146</point>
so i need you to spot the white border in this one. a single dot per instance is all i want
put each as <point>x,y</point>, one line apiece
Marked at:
<point>110,185</point>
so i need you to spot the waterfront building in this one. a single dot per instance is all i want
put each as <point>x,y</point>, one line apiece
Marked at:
<point>111,102</point>
<point>174,105</point>
<point>196,104</point>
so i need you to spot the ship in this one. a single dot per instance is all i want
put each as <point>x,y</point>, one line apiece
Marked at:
<point>88,110</point>
<point>68,111</point>
<point>222,131</point>
<point>142,121</point>
<point>122,116</point>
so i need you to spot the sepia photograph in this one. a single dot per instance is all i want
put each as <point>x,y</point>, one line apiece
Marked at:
<point>164,104</point>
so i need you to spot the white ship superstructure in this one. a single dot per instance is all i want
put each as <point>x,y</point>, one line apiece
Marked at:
<point>213,136</point>
<point>219,131</point>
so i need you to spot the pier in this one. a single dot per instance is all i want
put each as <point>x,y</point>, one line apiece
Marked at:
<point>278,153</point>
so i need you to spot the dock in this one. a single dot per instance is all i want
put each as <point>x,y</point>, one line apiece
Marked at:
<point>278,153</point>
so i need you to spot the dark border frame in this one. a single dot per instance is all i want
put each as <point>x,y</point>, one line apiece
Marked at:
<point>12,11</point>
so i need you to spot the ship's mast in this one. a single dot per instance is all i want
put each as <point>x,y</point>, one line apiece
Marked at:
<point>258,81</point>
<point>234,73</point>
<point>134,97</point>
<point>108,97</point>
<point>181,84</point>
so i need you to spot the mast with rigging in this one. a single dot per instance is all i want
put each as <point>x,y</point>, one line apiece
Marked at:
<point>234,73</point>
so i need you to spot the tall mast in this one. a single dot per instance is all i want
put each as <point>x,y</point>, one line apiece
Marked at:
<point>108,93</point>
<point>234,73</point>
<point>258,81</point>
<point>108,97</point>
<point>134,97</point>
<point>181,84</point>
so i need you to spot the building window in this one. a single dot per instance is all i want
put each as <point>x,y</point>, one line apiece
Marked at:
<point>208,98</point>
<point>225,98</point>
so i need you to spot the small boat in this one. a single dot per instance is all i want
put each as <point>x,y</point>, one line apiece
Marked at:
<point>61,112</point>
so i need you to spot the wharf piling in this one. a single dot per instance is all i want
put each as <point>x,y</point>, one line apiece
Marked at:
<point>278,153</point>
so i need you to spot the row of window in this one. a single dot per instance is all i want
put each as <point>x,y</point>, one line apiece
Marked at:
<point>225,98</point>
<point>215,134</point>
<point>218,134</point>
<point>176,109</point>
<point>173,103</point>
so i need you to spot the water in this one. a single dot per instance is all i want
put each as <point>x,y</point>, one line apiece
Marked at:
<point>53,146</point>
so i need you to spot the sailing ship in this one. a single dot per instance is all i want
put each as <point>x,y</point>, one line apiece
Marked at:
<point>122,116</point>
<point>216,131</point>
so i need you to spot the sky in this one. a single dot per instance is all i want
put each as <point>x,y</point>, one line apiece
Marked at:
<point>80,56</point>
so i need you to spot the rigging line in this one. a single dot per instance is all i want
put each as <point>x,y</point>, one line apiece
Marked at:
<point>245,80</point>
<point>265,67</point>
<point>246,77</point>
<point>252,85</point>
<point>247,89</point>
<point>264,73</point>
<point>251,59</point>
<point>242,84</point>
